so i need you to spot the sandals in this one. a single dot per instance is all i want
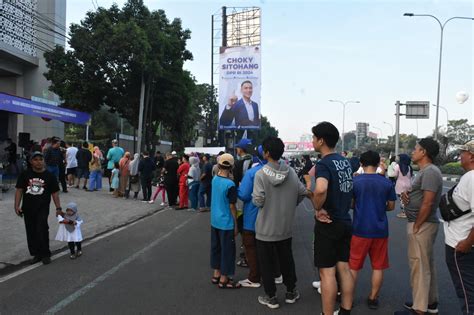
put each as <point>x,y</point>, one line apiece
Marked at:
<point>242,263</point>
<point>229,284</point>
<point>215,280</point>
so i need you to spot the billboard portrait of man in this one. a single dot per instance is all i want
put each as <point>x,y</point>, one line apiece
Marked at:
<point>244,111</point>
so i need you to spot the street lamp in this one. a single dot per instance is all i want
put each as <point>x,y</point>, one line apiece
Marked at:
<point>343,115</point>
<point>447,115</point>
<point>442,25</point>
<point>391,126</point>
<point>381,133</point>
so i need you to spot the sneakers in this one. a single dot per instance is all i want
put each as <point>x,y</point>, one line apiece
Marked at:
<point>316,284</point>
<point>249,284</point>
<point>373,304</point>
<point>151,201</point>
<point>79,253</point>
<point>291,297</point>
<point>72,256</point>
<point>402,215</point>
<point>279,280</point>
<point>271,302</point>
<point>162,204</point>
<point>46,260</point>
<point>432,308</point>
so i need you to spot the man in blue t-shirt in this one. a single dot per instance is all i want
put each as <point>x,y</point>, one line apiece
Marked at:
<point>332,232</point>
<point>373,196</point>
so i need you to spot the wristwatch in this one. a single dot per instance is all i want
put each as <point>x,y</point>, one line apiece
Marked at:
<point>59,209</point>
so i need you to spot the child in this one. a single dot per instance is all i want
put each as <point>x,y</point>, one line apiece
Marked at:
<point>160,188</point>
<point>223,225</point>
<point>373,196</point>
<point>70,230</point>
<point>115,180</point>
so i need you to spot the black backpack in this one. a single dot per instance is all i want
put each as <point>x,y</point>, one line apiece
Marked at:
<point>448,208</point>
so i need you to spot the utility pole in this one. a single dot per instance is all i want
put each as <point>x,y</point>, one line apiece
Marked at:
<point>397,128</point>
<point>140,118</point>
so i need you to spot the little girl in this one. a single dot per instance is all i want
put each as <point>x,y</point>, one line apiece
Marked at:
<point>115,180</point>
<point>70,230</point>
<point>160,187</point>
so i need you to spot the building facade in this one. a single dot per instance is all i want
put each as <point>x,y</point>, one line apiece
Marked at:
<point>28,28</point>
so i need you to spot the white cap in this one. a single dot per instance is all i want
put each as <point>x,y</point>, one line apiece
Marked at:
<point>173,153</point>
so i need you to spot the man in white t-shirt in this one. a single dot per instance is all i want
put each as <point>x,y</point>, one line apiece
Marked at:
<point>459,234</point>
<point>71,163</point>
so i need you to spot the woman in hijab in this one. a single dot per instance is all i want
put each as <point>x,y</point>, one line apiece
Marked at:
<point>124,173</point>
<point>134,177</point>
<point>194,175</point>
<point>403,172</point>
<point>95,176</point>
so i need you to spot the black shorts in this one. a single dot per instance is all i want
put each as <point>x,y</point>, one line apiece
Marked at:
<point>71,171</point>
<point>82,173</point>
<point>332,243</point>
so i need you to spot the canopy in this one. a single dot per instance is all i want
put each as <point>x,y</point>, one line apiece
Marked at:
<point>208,150</point>
<point>25,106</point>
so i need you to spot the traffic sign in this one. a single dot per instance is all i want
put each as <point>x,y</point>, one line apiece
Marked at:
<point>417,110</point>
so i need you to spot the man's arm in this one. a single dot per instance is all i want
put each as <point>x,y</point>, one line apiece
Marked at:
<point>390,205</point>
<point>233,211</point>
<point>319,198</point>
<point>227,116</point>
<point>425,210</point>
<point>258,194</point>
<point>465,246</point>
<point>57,203</point>
<point>18,197</point>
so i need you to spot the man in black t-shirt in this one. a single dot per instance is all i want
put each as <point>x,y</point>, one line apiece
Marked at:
<point>205,186</point>
<point>332,232</point>
<point>34,189</point>
<point>83,156</point>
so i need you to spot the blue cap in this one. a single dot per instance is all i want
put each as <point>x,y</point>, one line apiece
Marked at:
<point>260,151</point>
<point>243,143</point>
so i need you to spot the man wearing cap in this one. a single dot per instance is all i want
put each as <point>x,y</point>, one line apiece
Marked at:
<point>34,189</point>
<point>421,204</point>
<point>459,233</point>
<point>244,111</point>
<point>113,156</point>
<point>244,160</point>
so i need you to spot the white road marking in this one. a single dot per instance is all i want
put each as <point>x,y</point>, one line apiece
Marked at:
<point>66,251</point>
<point>71,298</point>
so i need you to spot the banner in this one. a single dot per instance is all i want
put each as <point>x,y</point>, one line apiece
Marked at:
<point>239,88</point>
<point>25,106</point>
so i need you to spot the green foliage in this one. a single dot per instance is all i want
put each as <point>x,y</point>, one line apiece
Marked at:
<point>453,168</point>
<point>459,131</point>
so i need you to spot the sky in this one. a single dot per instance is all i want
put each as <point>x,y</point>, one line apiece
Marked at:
<point>366,51</point>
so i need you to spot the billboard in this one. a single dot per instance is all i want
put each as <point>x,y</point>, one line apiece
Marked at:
<point>239,88</point>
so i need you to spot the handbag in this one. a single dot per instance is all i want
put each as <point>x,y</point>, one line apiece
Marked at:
<point>133,179</point>
<point>448,208</point>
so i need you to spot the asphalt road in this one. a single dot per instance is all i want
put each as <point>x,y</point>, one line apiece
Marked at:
<point>161,265</point>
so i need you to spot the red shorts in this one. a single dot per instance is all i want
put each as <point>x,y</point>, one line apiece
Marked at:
<point>377,248</point>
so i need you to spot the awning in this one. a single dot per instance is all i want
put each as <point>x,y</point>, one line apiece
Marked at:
<point>25,106</point>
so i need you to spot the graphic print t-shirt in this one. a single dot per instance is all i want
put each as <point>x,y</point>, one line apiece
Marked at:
<point>338,172</point>
<point>37,189</point>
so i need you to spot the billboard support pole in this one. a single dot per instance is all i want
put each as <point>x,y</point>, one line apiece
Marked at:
<point>397,128</point>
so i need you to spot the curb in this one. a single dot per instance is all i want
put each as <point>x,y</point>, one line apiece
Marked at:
<point>6,268</point>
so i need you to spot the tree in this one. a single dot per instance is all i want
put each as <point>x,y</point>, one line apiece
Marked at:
<point>459,131</point>
<point>112,52</point>
<point>266,130</point>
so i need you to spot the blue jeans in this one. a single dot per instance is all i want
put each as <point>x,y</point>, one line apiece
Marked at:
<point>223,251</point>
<point>205,190</point>
<point>54,170</point>
<point>463,276</point>
<point>193,194</point>
<point>95,180</point>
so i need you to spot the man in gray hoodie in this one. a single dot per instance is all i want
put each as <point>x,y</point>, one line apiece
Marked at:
<point>277,192</point>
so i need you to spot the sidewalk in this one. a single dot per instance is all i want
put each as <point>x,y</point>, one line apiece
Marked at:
<point>99,210</point>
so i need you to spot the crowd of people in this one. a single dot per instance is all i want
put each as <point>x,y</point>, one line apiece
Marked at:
<point>256,196</point>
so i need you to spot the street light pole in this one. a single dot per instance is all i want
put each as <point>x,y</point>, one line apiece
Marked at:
<point>391,126</point>
<point>447,115</point>
<point>343,116</point>
<point>442,25</point>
